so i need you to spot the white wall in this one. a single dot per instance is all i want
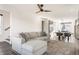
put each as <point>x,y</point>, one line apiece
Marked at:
<point>21,23</point>
<point>28,24</point>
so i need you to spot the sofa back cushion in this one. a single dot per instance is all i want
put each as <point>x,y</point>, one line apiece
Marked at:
<point>43,34</point>
<point>25,36</point>
<point>34,34</point>
<point>22,35</point>
<point>31,35</point>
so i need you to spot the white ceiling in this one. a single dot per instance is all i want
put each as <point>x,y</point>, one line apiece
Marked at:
<point>58,10</point>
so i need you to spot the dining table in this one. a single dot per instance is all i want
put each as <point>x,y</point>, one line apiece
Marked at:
<point>63,35</point>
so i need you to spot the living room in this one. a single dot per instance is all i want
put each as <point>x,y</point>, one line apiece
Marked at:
<point>31,22</point>
<point>21,22</point>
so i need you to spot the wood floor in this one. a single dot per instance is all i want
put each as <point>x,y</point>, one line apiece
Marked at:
<point>5,49</point>
<point>54,48</point>
<point>62,48</point>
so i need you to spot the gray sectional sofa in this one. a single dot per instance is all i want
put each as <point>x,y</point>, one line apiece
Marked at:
<point>30,43</point>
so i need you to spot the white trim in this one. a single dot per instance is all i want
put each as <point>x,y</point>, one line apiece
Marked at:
<point>1,25</point>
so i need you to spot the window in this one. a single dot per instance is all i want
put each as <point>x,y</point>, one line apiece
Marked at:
<point>66,26</point>
<point>1,24</point>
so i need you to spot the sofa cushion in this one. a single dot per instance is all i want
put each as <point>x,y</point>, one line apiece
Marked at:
<point>33,35</point>
<point>34,45</point>
<point>43,34</point>
<point>27,35</point>
<point>39,34</point>
<point>24,36</point>
<point>42,38</point>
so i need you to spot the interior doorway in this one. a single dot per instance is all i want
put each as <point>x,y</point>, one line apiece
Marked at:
<point>4,24</point>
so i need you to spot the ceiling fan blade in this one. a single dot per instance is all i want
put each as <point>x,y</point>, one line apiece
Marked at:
<point>47,11</point>
<point>38,11</point>
<point>39,6</point>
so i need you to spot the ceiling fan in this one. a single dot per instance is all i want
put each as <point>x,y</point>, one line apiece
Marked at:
<point>40,6</point>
